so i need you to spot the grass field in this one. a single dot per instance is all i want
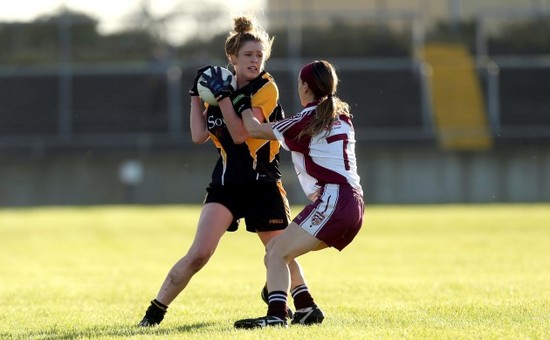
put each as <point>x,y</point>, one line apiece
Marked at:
<point>414,272</point>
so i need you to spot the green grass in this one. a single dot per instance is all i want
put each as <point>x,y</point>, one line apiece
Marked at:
<point>414,272</point>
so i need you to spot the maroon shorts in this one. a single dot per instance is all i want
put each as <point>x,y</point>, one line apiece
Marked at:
<point>335,217</point>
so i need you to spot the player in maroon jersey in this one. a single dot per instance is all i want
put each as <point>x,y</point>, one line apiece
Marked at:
<point>321,140</point>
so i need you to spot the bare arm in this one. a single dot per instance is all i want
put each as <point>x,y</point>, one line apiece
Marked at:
<point>197,121</point>
<point>235,124</point>
<point>255,128</point>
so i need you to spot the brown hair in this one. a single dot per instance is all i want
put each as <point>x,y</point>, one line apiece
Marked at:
<point>322,78</point>
<point>244,30</point>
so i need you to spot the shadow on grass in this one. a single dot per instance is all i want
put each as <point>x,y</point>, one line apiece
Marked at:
<point>114,331</point>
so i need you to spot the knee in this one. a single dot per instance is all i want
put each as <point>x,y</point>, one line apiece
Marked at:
<point>276,253</point>
<point>270,250</point>
<point>197,259</point>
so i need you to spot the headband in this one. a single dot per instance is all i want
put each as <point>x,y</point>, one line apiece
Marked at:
<point>307,74</point>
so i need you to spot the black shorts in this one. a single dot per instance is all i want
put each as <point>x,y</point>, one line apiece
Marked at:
<point>263,205</point>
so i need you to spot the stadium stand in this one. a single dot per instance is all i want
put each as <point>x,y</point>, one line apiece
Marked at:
<point>119,103</point>
<point>524,105</point>
<point>29,105</point>
<point>383,99</point>
<point>457,99</point>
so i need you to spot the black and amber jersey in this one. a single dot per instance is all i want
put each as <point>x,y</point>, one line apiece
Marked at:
<point>256,159</point>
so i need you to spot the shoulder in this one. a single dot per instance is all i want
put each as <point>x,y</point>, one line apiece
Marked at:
<point>263,83</point>
<point>268,77</point>
<point>265,89</point>
<point>269,89</point>
<point>266,82</point>
<point>346,118</point>
<point>298,122</point>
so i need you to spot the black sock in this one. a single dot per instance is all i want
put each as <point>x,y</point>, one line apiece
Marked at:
<point>302,297</point>
<point>156,311</point>
<point>159,304</point>
<point>277,304</point>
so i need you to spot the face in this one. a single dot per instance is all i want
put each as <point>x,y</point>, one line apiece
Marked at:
<point>249,61</point>
<point>300,87</point>
<point>303,92</point>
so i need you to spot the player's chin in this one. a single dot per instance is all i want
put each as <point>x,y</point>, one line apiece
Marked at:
<point>252,73</point>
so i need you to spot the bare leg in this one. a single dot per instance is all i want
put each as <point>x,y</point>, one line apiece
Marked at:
<point>283,250</point>
<point>296,273</point>
<point>213,222</point>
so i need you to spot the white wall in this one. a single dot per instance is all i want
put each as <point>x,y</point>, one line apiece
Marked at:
<point>390,175</point>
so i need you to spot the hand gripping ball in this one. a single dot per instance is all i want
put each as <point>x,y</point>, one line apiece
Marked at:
<point>205,93</point>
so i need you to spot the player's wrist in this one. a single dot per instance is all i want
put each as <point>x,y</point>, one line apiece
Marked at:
<point>241,103</point>
<point>226,93</point>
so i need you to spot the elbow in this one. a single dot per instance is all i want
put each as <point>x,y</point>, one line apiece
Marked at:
<point>241,137</point>
<point>255,133</point>
<point>239,140</point>
<point>199,139</point>
<point>252,130</point>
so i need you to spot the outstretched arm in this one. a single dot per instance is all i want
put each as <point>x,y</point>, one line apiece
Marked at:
<point>233,122</point>
<point>255,128</point>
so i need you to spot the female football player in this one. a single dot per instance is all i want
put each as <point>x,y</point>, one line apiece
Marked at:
<point>246,180</point>
<point>322,143</point>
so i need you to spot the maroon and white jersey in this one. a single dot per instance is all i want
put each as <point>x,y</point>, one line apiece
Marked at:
<point>322,159</point>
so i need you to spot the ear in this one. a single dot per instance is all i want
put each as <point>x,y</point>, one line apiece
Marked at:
<point>232,60</point>
<point>306,87</point>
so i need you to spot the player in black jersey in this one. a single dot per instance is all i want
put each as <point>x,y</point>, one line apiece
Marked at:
<point>246,180</point>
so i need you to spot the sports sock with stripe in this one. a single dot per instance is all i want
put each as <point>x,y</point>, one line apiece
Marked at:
<point>156,311</point>
<point>302,297</point>
<point>277,304</point>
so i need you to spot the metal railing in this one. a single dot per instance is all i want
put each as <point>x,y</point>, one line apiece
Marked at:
<point>176,73</point>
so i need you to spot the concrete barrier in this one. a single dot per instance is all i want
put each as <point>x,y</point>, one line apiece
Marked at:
<point>390,175</point>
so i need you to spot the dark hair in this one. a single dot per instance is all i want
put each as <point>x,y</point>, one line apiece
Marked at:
<point>322,79</point>
<point>244,30</point>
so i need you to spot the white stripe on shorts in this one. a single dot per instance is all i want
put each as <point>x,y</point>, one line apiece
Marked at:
<point>322,213</point>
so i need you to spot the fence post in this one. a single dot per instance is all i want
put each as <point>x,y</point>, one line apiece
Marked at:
<point>175,119</point>
<point>493,96</point>
<point>65,75</point>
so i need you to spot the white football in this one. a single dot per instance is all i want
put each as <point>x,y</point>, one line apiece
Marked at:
<point>205,93</point>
